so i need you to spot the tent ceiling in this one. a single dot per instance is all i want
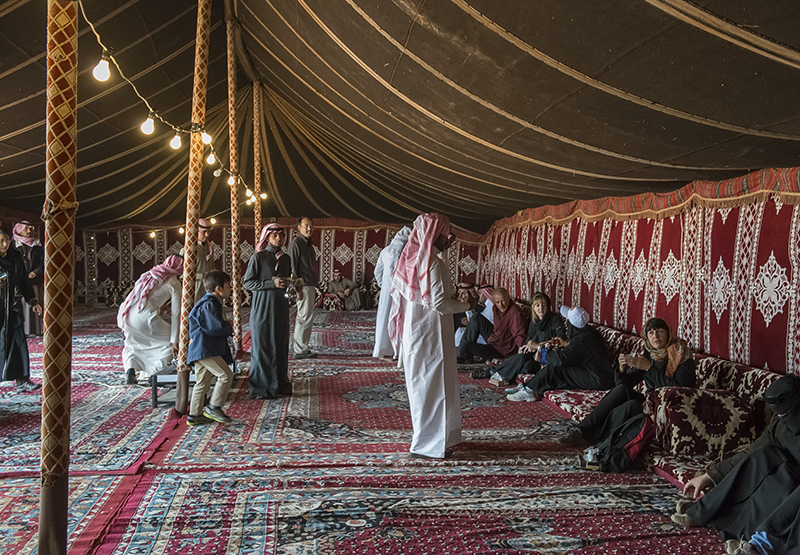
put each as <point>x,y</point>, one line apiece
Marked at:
<point>377,110</point>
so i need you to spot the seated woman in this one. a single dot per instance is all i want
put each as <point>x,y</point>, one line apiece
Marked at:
<point>667,362</point>
<point>14,359</point>
<point>545,325</point>
<point>150,342</point>
<point>581,361</point>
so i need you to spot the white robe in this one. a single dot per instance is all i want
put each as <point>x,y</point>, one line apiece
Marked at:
<point>384,269</point>
<point>429,358</point>
<point>148,338</point>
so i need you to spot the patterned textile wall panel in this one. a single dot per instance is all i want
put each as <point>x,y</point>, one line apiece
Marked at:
<point>726,278</point>
<point>108,261</point>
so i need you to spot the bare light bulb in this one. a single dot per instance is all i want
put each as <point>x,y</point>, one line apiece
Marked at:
<point>263,195</point>
<point>249,202</point>
<point>213,221</point>
<point>152,234</point>
<point>101,71</point>
<point>248,193</point>
<point>217,172</point>
<point>176,141</point>
<point>180,230</point>
<point>206,138</point>
<point>211,159</point>
<point>231,180</point>
<point>148,126</point>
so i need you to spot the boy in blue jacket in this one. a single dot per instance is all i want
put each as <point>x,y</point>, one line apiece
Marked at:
<point>208,350</point>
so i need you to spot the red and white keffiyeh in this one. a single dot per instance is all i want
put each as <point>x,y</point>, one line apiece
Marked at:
<point>412,278</point>
<point>171,267</point>
<point>30,241</point>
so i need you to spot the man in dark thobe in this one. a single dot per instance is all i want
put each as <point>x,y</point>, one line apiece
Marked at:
<point>267,276</point>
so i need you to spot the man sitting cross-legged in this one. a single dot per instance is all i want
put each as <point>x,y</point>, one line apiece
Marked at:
<point>580,363</point>
<point>503,338</point>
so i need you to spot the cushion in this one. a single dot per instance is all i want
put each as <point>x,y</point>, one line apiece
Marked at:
<point>702,422</point>
<point>575,403</point>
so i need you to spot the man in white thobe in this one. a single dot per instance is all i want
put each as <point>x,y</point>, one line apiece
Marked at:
<point>384,269</point>
<point>422,306</point>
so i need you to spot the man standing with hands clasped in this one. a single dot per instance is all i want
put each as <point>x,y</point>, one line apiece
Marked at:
<point>304,261</point>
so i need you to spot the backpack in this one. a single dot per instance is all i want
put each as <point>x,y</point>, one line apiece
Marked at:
<point>620,450</point>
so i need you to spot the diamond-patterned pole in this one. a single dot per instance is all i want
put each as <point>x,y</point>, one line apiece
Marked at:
<point>257,160</point>
<point>236,268</point>
<point>59,272</point>
<point>193,196</point>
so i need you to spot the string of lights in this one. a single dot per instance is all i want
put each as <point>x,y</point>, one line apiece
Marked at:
<point>102,72</point>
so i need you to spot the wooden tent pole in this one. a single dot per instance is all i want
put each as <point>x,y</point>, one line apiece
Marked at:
<point>193,196</point>
<point>59,271</point>
<point>257,159</point>
<point>236,268</point>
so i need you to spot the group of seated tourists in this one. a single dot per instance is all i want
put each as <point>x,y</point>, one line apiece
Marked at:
<point>752,497</point>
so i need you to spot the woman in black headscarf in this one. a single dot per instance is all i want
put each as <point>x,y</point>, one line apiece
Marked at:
<point>755,492</point>
<point>667,362</point>
<point>545,325</point>
<point>14,359</point>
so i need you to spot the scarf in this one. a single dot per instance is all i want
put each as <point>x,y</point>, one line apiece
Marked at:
<point>263,240</point>
<point>412,279</point>
<point>171,267</point>
<point>675,351</point>
<point>30,241</point>
<point>543,324</point>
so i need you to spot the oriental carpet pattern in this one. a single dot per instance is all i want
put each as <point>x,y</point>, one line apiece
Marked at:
<point>325,471</point>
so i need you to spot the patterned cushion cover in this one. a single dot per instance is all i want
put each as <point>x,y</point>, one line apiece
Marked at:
<point>577,404</point>
<point>678,469</point>
<point>702,422</point>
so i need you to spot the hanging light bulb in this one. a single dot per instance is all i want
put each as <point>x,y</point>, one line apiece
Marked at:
<point>211,159</point>
<point>213,221</point>
<point>206,138</point>
<point>248,193</point>
<point>176,141</point>
<point>232,180</point>
<point>180,230</point>
<point>217,172</point>
<point>263,195</point>
<point>249,202</point>
<point>148,126</point>
<point>101,71</point>
<point>152,234</point>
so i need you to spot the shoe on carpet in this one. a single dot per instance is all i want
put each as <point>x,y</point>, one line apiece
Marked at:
<point>572,437</point>
<point>27,385</point>
<point>301,356</point>
<point>524,394</point>
<point>198,420</point>
<point>682,520</point>
<point>217,415</point>
<point>497,380</point>
<point>744,548</point>
<point>480,374</point>
<point>683,505</point>
<point>514,389</point>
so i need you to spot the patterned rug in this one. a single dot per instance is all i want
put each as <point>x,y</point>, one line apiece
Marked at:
<point>325,471</point>
<point>535,509</point>
<point>113,427</point>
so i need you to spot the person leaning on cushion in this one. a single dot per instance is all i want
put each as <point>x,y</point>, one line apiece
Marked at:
<point>14,358</point>
<point>667,362</point>
<point>755,493</point>
<point>545,325</point>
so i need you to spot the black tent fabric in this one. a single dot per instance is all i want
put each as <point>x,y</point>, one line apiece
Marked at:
<point>380,110</point>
